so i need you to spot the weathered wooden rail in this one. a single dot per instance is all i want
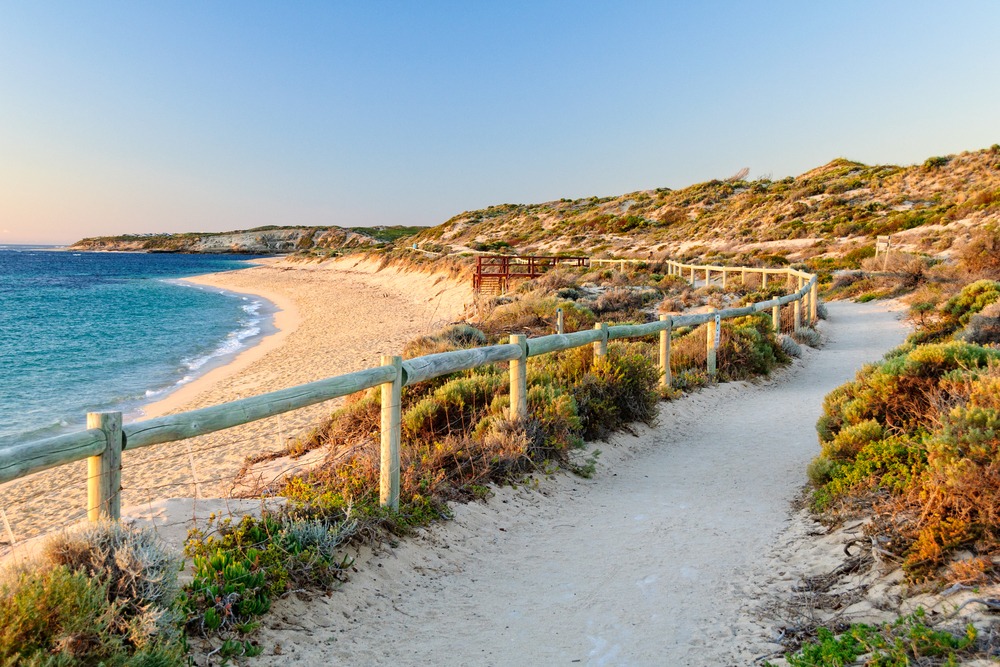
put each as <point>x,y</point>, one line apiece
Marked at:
<point>106,438</point>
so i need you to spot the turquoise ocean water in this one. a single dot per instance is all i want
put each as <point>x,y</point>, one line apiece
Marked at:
<point>83,332</point>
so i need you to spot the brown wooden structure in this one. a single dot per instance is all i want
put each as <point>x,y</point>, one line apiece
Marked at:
<point>494,273</point>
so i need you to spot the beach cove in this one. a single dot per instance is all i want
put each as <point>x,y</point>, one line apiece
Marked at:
<point>334,317</point>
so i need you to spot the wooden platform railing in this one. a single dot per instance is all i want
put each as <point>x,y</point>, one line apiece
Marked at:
<point>106,438</point>
<point>497,271</point>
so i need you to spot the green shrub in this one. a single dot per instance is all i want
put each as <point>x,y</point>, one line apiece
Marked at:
<point>923,429</point>
<point>244,565</point>
<point>957,311</point>
<point>57,617</point>
<point>558,417</point>
<point>748,347</point>
<point>909,640</point>
<point>892,463</point>
<point>455,337</point>
<point>616,390</point>
<point>454,407</point>
<point>138,571</point>
<point>106,595</point>
<point>902,391</point>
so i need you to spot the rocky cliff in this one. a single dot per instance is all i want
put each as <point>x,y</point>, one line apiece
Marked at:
<point>261,241</point>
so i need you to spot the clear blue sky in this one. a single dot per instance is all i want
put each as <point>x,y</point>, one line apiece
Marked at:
<point>120,117</point>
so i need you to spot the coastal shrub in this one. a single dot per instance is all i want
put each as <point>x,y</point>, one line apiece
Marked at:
<point>748,347</point>
<point>790,346</point>
<point>621,388</point>
<point>623,304</point>
<point>938,322</point>
<point>909,640</point>
<point>983,327</point>
<point>239,568</point>
<point>536,314</point>
<point>905,391</point>
<point>455,407</point>
<point>138,571</point>
<point>106,595</point>
<point>454,337</point>
<point>920,433</point>
<point>756,295</point>
<point>687,350</point>
<point>54,616</point>
<point>553,280</point>
<point>807,336</point>
<point>618,389</point>
<point>981,255</point>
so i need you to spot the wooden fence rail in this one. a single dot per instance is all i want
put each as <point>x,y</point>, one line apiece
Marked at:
<point>106,439</point>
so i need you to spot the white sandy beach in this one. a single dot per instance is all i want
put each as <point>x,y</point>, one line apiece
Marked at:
<point>335,317</point>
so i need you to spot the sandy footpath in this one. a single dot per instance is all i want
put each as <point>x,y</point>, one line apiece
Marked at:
<point>660,559</point>
<point>335,317</point>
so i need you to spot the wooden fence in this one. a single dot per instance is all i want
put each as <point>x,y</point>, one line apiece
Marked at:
<point>106,438</point>
<point>494,273</point>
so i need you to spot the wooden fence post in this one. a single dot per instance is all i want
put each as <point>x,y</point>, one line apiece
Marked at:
<point>763,279</point>
<point>104,471</point>
<point>813,303</point>
<point>708,277</point>
<point>665,335</point>
<point>776,318</point>
<point>560,322</point>
<point>519,380</point>
<point>6,525</point>
<point>692,276</point>
<point>391,429</point>
<point>797,314</point>
<point>724,274</point>
<point>743,276</point>
<point>713,330</point>
<point>601,346</point>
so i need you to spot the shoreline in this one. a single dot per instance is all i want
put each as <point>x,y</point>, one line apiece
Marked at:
<point>336,317</point>
<point>284,319</point>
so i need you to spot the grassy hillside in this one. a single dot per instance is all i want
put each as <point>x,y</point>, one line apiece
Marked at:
<point>830,209</point>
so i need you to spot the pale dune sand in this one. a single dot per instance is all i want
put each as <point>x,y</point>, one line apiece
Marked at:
<point>335,317</point>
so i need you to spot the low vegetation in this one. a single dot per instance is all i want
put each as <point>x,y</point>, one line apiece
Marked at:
<point>917,437</point>
<point>105,596</point>
<point>829,216</point>
<point>909,640</point>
